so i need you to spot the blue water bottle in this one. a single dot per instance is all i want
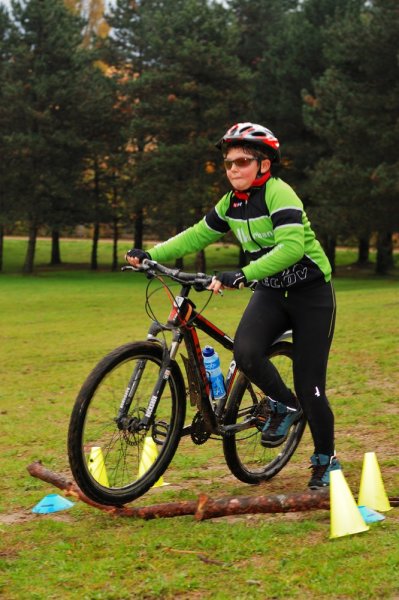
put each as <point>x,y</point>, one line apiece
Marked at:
<point>214,372</point>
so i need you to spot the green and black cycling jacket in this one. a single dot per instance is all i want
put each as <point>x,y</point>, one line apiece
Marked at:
<point>273,230</point>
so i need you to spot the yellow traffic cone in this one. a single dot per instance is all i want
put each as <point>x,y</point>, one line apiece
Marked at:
<point>148,457</point>
<point>345,518</point>
<point>372,492</point>
<point>96,466</point>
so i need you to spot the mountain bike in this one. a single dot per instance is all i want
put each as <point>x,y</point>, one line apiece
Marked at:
<point>135,399</point>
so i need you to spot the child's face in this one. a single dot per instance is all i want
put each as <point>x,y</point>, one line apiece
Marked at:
<point>241,177</point>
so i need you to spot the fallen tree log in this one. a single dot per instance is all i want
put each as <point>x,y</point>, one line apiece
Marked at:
<point>279,503</point>
<point>203,508</point>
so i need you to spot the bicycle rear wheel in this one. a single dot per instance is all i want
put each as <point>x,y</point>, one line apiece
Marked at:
<point>246,458</point>
<point>114,462</point>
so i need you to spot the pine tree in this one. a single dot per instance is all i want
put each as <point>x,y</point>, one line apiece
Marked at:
<point>100,125</point>
<point>355,110</point>
<point>8,208</point>
<point>61,116</point>
<point>186,86</point>
<point>43,144</point>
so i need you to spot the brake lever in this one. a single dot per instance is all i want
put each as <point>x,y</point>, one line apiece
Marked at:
<point>138,269</point>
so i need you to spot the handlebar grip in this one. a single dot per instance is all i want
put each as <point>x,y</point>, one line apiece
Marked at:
<point>200,281</point>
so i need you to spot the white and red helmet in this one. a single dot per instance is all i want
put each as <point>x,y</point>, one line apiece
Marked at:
<point>252,134</point>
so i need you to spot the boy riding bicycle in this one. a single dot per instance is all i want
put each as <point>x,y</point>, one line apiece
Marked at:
<point>293,290</point>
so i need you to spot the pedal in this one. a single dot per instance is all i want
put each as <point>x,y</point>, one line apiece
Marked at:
<point>235,428</point>
<point>160,431</point>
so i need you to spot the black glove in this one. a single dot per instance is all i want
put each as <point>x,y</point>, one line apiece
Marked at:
<point>138,253</point>
<point>232,279</point>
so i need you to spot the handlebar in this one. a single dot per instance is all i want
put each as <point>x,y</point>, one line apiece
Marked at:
<point>200,281</point>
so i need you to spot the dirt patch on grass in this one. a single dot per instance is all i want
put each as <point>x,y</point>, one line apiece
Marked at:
<point>23,516</point>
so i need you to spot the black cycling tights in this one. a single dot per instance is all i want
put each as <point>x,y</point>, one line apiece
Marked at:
<point>310,313</point>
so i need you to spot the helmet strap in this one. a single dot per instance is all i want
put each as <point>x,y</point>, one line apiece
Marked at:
<point>258,182</point>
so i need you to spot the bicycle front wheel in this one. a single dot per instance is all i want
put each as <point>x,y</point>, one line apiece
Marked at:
<point>246,458</point>
<point>115,460</point>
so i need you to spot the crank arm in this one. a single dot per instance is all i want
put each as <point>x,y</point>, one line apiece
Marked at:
<point>234,428</point>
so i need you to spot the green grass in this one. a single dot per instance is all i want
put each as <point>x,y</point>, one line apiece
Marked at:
<point>54,327</point>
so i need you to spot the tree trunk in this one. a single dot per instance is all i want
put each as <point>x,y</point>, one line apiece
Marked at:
<point>242,259</point>
<point>200,262</point>
<point>1,246</point>
<point>30,252</point>
<point>384,253</point>
<point>363,251</point>
<point>96,231</point>
<point>94,248</point>
<point>55,248</point>
<point>138,229</point>
<point>179,262</point>
<point>208,508</point>
<point>330,244</point>
<point>115,232</point>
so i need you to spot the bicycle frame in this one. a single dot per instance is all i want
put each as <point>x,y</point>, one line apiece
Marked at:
<point>186,320</point>
<point>183,321</point>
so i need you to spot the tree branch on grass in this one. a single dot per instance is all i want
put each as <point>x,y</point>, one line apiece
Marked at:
<point>204,507</point>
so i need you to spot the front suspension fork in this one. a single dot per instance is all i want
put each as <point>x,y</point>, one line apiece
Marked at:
<point>168,357</point>
<point>163,377</point>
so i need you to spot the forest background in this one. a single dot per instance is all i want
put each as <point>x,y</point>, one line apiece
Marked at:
<point>108,121</point>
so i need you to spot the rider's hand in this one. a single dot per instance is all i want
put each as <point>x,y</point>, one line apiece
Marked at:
<point>227,279</point>
<point>135,257</point>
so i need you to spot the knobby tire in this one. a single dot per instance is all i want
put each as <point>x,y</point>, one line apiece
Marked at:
<point>246,458</point>
<point>129,462</point>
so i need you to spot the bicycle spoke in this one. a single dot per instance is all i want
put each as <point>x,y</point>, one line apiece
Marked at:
<point>246,457</point>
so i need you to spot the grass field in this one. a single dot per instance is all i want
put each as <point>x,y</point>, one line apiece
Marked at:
<point>54,327</point>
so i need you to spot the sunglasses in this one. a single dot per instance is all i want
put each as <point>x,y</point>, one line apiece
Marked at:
<point>241,163</point>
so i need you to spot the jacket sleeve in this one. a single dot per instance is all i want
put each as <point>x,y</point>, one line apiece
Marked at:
<point>287,215</point>
<point>210,229</point>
